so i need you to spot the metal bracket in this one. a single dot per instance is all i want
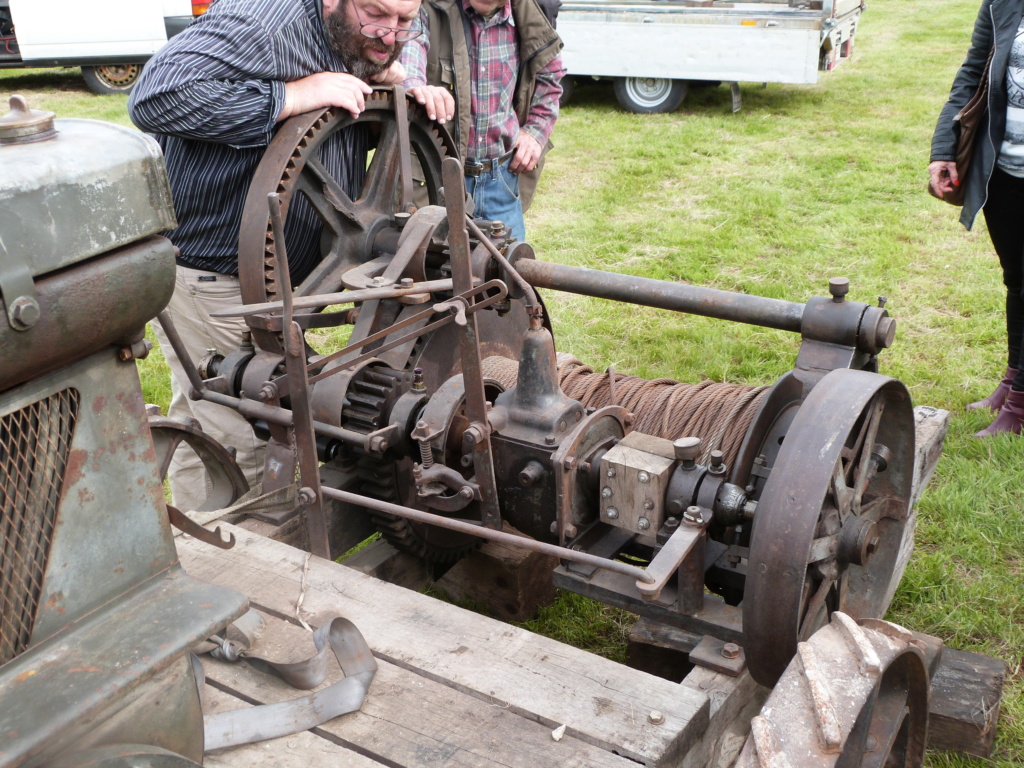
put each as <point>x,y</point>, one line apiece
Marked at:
<point>19,293</point>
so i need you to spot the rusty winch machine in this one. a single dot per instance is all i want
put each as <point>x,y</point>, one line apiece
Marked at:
<point>745,515</point>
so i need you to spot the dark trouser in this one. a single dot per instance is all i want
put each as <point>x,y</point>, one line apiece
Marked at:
<point>1004,214</point>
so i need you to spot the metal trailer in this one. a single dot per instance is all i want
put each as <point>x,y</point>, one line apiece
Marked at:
<point>655,51</point>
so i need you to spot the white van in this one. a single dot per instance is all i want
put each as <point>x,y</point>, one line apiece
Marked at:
<point>109,39</point>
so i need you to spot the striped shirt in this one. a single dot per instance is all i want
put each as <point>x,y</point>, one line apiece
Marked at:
<point>211,97</point>
<point>494,62</point>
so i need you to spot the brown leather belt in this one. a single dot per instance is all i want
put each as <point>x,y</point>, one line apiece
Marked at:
<point>476,168</point>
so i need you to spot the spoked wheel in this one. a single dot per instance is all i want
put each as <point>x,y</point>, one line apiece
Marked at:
<point>829,525</point>
<point>295,167</point>
<point>855,696</point>
<point>228,481</point>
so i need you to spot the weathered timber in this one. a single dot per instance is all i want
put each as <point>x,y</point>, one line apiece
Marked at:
<point>511,582</point>
<point>410,721</point>
<point>734,700</point>
<point>660,649</point>
<point>600,702</point>
<point>301,750</point>
<point>966,691</point>
<point>382,561</point>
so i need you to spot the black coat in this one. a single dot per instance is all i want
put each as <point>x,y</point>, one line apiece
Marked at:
<point>997,20</point>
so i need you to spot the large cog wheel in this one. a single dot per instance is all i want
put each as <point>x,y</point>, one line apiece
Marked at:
<point>292,167</point>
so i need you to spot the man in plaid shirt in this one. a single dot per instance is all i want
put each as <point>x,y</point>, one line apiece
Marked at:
<point>500,59</point>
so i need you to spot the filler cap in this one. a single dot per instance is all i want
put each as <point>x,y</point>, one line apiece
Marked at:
<point>23,125</point>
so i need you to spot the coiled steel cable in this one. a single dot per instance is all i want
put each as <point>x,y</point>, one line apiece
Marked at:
<point>719,414</point>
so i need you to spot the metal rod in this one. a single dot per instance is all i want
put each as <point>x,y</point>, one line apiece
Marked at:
<point>708,302</point>
<point>329,299</point>
<point>524,286</point>
<point>342,355</point>
<point>490,534</point>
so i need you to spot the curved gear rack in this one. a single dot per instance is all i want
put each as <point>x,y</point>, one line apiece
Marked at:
<point>855,696</point>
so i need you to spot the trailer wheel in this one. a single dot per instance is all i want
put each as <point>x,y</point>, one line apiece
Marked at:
<point>112,78</point>
<point>648,95</point>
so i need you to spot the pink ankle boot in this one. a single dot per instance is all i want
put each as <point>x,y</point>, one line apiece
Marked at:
<point>995,401</point>
<point>1010,418</point>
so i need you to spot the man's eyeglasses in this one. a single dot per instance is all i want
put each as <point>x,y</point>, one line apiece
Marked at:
<point>379,30</point>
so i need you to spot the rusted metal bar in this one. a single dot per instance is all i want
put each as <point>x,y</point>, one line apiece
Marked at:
<point>341,357</point>
<point>708,302</point>
<point>310,495</point>
<point>330,299</point>
<point>475,529</point>
<point>478,434</point>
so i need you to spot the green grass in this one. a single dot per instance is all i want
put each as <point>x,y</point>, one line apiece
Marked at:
<point>805,183</point>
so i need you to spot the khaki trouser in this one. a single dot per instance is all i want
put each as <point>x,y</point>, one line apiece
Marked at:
<point>196,295</point>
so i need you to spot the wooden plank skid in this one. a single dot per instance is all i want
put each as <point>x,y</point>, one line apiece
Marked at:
<point>602,703</point>
<point>412,721</point>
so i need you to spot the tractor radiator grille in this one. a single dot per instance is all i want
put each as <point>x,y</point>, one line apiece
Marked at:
<point>34,446</point>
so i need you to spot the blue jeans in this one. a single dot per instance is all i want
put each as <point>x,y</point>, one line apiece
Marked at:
<point>496,196</point>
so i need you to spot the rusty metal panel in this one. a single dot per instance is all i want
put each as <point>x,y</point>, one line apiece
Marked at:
<point>34,445</point>
<point>111,524</point>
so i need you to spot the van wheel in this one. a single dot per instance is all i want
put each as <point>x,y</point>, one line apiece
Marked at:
<point>646,95</point>
<point>112,78</point>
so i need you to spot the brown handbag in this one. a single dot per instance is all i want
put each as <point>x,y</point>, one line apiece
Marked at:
<point>968,121</point>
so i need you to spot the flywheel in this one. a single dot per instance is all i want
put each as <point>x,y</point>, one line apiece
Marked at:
<point>855,696</point>
<point>830,521</point>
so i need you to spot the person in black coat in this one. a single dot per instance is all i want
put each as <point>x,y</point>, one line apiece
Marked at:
<point>994,181</point>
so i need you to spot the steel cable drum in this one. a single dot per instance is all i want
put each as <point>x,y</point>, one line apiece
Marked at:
<point>830,522</point>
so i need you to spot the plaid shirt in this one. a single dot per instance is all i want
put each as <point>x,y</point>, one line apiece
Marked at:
<point>494,62</point>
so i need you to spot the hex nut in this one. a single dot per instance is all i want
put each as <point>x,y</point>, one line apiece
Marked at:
<point>656,717</point>
<point>730,650</point>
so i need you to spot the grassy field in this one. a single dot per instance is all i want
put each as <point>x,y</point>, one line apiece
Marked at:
<point>805,183</point>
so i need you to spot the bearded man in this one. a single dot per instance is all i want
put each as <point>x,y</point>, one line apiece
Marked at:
<point>213,97</point>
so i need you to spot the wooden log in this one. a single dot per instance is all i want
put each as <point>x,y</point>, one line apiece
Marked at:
<point>966,692</point>
<point>383,561</point>
<point>510,582</point>
<point>602,703</point>
<point>734,700</point>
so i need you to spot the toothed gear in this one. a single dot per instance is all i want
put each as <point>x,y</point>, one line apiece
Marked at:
<point>368,401</point>
<point>290,167</point>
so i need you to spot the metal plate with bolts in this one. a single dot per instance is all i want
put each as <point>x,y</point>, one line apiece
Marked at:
<point>719,656</point>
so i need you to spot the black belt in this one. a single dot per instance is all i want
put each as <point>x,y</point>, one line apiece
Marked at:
<point>475,168</point>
